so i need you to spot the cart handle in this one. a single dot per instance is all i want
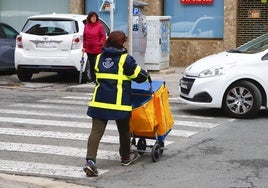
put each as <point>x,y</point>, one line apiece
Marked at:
<point>150,81</point>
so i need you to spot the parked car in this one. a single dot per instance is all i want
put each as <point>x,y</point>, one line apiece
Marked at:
<point>7,47</point>
<point>51,43</point>
<point>235,80</point>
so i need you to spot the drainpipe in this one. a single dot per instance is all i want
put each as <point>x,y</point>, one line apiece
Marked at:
<point>111,15</point>
<point>130,21</point>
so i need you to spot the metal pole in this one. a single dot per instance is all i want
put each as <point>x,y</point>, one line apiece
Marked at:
<point>111,15</point>
<point>130,23</point>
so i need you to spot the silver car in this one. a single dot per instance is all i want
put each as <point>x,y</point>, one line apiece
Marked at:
<point>7,47</point>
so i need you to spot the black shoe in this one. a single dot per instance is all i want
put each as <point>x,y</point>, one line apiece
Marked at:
<point>132,157</point>
<point>90,169</point>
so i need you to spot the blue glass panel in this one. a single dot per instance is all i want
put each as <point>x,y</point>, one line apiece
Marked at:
<point>195,21</point>
<point>120,14</point>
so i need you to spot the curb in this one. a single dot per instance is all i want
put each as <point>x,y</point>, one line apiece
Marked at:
<point>13,181</point>
<point>81,88</point>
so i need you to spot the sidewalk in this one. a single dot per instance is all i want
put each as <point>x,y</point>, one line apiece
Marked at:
<point>171,77</point>
<point>16,181</point>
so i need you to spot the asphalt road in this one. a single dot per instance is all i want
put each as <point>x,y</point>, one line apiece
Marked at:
<point>204,149</point>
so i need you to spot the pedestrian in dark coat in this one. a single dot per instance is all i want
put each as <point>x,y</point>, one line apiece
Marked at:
<point>114,69</point>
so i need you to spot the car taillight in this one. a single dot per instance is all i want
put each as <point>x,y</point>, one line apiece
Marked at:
<point>19,41</point>
<point>77,41</point>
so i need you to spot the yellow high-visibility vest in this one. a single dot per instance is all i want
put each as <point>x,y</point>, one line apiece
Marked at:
<point>120,78</point>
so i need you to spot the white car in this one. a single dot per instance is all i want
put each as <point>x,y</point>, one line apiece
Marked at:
<point>234,80</point>
<point>52,43</point>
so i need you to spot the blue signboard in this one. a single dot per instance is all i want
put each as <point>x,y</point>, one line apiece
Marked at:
<point>136,11</point>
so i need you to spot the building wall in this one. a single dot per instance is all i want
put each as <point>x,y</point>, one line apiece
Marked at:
<point>185,51</point>
<point>77,6</point>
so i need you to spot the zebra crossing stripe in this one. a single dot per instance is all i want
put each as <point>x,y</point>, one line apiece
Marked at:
<point>45,169</point>
<point>53,106</point>
<point>196,124</point>
<point>42,106</point>
<point>183,133</point>
<point>86,98</point>
<point>55,123</point>
<point>75,124</point>
<point>174,99</point>
<point>192,117</point>
<point>56,150</point>
<point>64,135</point>
<point>40,113</point>
<point>62,101</point>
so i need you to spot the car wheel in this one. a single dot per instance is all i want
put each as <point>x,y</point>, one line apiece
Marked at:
<point>242,100</point>
<point>24,75</point>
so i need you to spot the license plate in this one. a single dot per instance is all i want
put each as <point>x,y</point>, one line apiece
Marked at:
<point>46,44</point>
<point>184,86</point>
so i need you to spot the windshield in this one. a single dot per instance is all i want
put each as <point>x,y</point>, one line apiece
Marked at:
<point>50,27</point>
<point>256,45</point>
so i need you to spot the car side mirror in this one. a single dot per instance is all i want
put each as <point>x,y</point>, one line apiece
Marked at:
<point>265,57</point>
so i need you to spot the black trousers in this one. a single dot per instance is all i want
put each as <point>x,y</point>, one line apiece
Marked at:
<point>97,131</point>
<point>91,59</point>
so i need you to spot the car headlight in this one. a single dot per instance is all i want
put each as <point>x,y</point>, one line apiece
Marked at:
<point>213,71</point>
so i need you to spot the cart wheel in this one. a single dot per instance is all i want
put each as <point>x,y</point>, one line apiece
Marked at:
<point>141,145</point>
<point>162,144</point>
<point>133,141</point>
<point>156,152</point>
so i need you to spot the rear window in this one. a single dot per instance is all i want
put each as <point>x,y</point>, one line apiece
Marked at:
<point>50,27</point>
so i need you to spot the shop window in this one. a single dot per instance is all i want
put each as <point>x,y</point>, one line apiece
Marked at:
<point>195,20</point>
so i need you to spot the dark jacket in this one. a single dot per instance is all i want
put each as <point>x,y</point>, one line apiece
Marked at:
<point>112,95</point>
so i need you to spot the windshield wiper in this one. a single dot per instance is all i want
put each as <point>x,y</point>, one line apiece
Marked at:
<point>234,50</point>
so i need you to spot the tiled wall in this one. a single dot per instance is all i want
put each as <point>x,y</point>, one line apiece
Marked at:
<point>252,20</point>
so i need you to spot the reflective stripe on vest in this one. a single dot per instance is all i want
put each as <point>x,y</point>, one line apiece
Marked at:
<point>120,77</point>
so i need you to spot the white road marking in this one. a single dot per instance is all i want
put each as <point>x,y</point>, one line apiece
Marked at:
<point>40,113</point>
<point>196,124</point>
<point>62,104</point>
<point>182,133</point>
<point>191,117</point>
<point>45,169</point>
<point>174,99</point>
<point>62,101</point>
<point>86,98</point>
<point>74,124</point>
<point>63,135</point>
<point>56,123</point>
<point>43,106</point>
<point>56,150</point>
